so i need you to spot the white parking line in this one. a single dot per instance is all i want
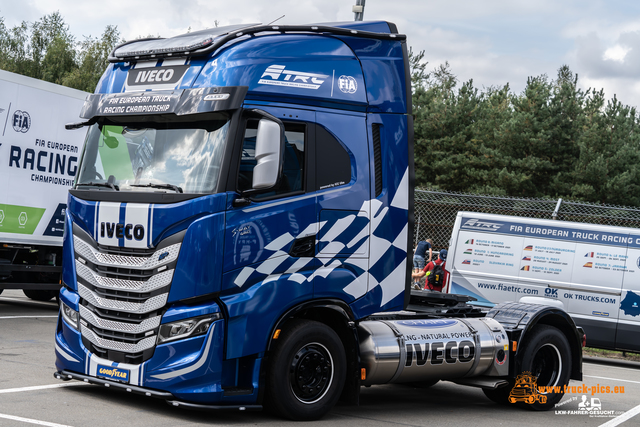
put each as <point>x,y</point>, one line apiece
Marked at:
<point>612,367</point>
<point>22,317</point>
<point>29,420</point>
<point>622,418</point>
<point>612,379</point>
<point>40,387</point>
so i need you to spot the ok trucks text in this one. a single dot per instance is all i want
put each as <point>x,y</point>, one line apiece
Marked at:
<point>238,232</point>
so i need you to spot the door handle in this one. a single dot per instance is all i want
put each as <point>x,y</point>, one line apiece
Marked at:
<point>304,247</point>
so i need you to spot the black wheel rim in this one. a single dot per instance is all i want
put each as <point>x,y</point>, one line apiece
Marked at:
<point>547,365</point>
<point>311,373</point>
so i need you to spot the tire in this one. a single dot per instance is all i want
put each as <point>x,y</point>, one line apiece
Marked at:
<point>40,295</point>
<point>547,356</point>
<point>305,372</point>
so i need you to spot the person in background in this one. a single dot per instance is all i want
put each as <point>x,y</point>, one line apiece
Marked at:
<point>419,255</point>
<point>435,271</point>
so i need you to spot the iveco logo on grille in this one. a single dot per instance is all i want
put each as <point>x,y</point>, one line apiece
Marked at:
<point>156,75</point>
<point>126,231</point>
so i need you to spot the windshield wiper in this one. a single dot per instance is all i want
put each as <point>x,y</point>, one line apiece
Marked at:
<point>102,184</point>
<point>167,186</point>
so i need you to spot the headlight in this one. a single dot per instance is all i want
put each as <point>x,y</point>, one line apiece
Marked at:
<point>70,315</point>
<point>186,328</point>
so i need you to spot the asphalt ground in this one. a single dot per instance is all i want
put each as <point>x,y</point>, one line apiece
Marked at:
<point>29,395</point>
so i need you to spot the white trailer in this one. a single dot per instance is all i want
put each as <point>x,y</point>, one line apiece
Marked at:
<point>38,163</point>
<point>592,271</point>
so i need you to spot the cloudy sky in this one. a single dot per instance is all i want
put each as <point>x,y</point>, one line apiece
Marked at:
<point>492,42</point>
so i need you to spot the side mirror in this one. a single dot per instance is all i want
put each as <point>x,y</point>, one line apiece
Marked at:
<point>268,154</point>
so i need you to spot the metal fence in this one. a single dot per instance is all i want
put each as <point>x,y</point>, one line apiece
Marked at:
<point>435,212</point>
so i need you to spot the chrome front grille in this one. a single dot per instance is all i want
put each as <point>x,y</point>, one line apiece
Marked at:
<point>149,305</point>
<point>113,325</point>
<point>122,296</point>
<point>94,256</point>
<point>156,281</point>
<point>142,345</point>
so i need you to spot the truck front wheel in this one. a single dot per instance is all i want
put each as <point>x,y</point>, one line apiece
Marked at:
<point>306,371</point>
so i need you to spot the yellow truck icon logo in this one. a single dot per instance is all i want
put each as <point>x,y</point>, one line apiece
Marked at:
<point>526,390</point>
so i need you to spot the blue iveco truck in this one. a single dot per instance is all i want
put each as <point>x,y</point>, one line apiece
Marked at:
<point>238,232</point>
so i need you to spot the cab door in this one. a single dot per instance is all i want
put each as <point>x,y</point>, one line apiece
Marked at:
<point>270,238</point>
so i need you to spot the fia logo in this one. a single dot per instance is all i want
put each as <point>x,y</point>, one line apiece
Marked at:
<point>347,84</point>
<point>21,121</point>
<point>298,79</point>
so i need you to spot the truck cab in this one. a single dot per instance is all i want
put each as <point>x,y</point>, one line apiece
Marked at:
<point>232,178</point>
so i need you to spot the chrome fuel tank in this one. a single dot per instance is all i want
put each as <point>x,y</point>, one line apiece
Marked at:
<point>396,351</point>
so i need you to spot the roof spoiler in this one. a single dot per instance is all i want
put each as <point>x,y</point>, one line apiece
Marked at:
<point>207,41</point>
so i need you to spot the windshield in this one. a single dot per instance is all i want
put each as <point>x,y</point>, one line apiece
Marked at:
<point>149,156</point>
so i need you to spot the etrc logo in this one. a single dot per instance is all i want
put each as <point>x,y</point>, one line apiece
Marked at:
<point>478,224</point>
<point>297,79</point>
<point>21,121</point>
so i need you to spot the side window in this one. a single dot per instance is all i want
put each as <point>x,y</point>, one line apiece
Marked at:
<point>292,179</point>
<point>333,164</point>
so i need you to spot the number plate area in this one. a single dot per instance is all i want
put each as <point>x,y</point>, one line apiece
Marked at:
<point>113,373</point>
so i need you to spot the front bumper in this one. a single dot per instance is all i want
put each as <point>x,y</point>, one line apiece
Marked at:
<point>189,372</point>
<point>168,397</point>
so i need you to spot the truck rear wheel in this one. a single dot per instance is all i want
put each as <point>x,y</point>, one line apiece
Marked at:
<point>306,371</point>
<point>547,356</point>
<point>40,295</point>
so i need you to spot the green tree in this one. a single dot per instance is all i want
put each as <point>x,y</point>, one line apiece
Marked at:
<point>46,50</point>
<point>93,60</point>
<point>444,129</point>
<point>42,50</point>
<point>51,48</point>
<point>14,44</point>
<point>607,168</point>
<point>539,140</point>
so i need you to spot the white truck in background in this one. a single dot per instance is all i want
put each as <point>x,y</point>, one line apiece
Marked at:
<point>593,271</point>
<point>38,163</point>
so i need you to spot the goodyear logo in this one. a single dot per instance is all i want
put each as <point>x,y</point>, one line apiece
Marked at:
<point>113,373</point>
